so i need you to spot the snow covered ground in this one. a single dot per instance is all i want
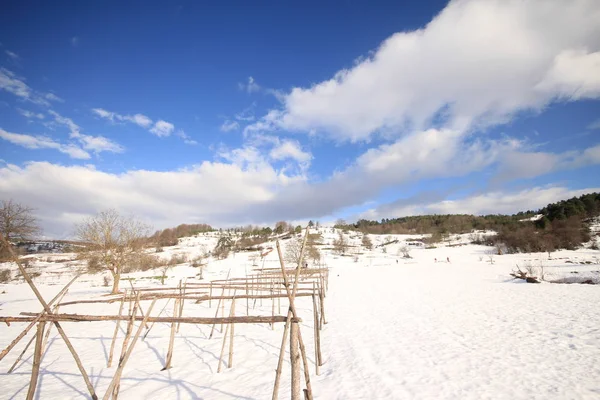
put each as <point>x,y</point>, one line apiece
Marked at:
<point>398,328</point>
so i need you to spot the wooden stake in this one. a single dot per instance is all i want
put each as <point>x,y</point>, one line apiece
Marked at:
<point>322,305</point>
<point>133,310</point>
<point>317,338</point>
<point>295,361</point>
<point>172,338</point>
<point>281,356</point>
<point>22,354</point>
<point>222,314</point>
<point>223,349</point>
<point>153,322</point>
<point>26,276</point>
<point>212,330</point>
<point>112,343</point>
<point>115,383</point>
<point>232,314</point>
<point>181,303</point>
<point>32,324</point>
<point>54,310</point>
<point>291,296</point>
<point>37,357</point>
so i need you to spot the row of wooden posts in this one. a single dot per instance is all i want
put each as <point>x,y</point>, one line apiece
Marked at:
<point>264,284</point>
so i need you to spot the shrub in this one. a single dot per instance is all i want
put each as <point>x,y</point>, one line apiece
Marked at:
<point>5,275</point>
<point>143,262</point>
<point>177,259</point>
<point>94,266</point>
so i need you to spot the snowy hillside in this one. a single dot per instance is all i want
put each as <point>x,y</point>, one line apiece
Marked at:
<point>405,320</point>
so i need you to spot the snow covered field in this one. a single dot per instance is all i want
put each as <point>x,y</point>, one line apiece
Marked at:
<point>397,329</point>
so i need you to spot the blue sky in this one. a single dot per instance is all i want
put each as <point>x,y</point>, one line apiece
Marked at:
<point>254,112</point>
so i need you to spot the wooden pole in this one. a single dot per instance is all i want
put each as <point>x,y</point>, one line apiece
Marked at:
<point>153,322</point>
<point>112,343</point>
<point>317,338</point>
<point>54,310</point>
<point>117,378</point>
<point>171,338</point>
<point>231,333</point>
<point>223,349</point>
<point>37,357</point>
<point>272,307</point>
<point>26,276</point>
<point>47,336</point>
<point>322,301</point>
<point>295,361</point>
<point>132,313</point>
<point>181,303</point>
<point>22,354</point>
<point>32,324</point>
<point>212,330</point>
<point>281,356</point>
<point>247,300</point>
<point>222,314</point>
<point>133,291</point>
<point>253,319</point>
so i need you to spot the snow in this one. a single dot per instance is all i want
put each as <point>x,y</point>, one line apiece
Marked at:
<point>397,329</point>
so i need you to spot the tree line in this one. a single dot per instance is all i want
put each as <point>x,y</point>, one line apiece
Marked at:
<point>560,225</point>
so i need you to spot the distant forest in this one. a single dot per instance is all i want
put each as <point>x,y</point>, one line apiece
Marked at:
<point>563,225</point>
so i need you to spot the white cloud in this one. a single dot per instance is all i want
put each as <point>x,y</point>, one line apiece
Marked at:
<point>229,126</point>
<point>250,87</point>
<point>96,144</point>
<point>42,142</point>
<point>594,125</point>
<point>186,139</point>
<point>139,119</point>
<point>29,114</point>
<point>215,192</point>
<point>162,128</point>
<point>518,164</point>
<point>53,97</point>
<point>13,56</point>
<point>496,202</point>
<point>75,41</point>
<point>476,63</point>
<point>16,85</point>
<point>104,113</point>
<point>290,149</point>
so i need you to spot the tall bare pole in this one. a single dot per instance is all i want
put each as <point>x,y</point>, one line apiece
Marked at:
<point>84,374</point>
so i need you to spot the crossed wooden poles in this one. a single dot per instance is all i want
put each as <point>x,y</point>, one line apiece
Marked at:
<point>292,327</point>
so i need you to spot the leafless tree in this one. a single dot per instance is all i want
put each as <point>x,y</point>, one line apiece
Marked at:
<point>114,240</point>
<point>17,221</point>
<point>293,250</point>
<point>366,242</point>
<point>340,245</point>
<point>405,251</point>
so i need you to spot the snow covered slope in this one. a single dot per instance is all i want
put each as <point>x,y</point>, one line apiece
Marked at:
<point>398,328</point>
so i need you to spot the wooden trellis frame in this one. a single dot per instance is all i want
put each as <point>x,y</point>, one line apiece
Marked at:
<point>268,284</point>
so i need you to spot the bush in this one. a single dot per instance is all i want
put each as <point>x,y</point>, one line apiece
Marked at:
<point>143,262</point>
<point>93,265</point>
<point>177,259</point>
<point>5,275</point>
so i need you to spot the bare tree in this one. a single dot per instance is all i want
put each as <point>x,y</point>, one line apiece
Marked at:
<point>366,242</point>
<point>17,221</point>
<point>340,245</point>
<point>405,251</point>
<point>293,250</point>
<point>114,240</point>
